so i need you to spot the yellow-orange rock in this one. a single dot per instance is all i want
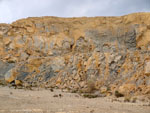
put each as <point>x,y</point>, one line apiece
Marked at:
<point>112,51</point>
<point>147,68</point>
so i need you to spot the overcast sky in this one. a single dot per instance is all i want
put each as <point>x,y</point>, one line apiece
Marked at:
<point>11,10</point>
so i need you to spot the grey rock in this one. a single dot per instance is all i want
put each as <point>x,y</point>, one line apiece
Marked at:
<point>38,42</point>
<point>22,75</point>
<point>130,39</point>
<point>8,74</point>
<point>5,67</point>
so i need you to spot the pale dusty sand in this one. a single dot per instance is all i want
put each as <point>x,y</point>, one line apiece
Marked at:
<point>42,101</point>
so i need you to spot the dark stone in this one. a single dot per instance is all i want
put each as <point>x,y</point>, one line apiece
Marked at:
<point>130,39</point>
<point>48,74</point>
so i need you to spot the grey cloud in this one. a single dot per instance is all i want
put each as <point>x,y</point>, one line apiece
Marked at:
<point>11,10</point>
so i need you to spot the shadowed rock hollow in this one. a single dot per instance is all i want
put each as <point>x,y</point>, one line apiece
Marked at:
<point>106,54</point>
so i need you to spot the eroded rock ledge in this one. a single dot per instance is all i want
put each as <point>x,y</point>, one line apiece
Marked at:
<point>106,54</point>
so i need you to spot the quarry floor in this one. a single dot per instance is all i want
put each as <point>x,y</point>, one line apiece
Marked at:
<point>46,101</point>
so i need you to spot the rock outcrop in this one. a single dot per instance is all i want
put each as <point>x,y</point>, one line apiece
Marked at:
<point>108,53</point>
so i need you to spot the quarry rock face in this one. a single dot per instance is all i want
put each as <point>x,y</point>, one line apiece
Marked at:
<point>108,53</point>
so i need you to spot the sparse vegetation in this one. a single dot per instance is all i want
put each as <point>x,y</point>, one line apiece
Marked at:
<point>89,95</point>
<point>127,99</point>
<point>73,91</point>
<point>90,86</point>
<point>118,94</point>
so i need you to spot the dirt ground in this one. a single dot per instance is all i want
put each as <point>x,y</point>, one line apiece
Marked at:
<point>45,101</point>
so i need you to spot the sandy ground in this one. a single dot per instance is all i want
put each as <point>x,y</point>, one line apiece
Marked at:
<point>45,101</point>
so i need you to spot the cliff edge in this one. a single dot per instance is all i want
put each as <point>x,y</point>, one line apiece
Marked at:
<point>105,54</point>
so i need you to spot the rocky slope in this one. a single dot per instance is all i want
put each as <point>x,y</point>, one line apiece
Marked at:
<point>107,54</point>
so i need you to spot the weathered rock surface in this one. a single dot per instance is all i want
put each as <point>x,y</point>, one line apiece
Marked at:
<point>4,68</point>
<point>79,53</point>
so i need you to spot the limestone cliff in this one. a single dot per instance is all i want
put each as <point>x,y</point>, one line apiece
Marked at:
<point>111,52</point>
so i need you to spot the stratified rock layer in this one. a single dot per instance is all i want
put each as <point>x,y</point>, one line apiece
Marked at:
<point>100,53</point>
